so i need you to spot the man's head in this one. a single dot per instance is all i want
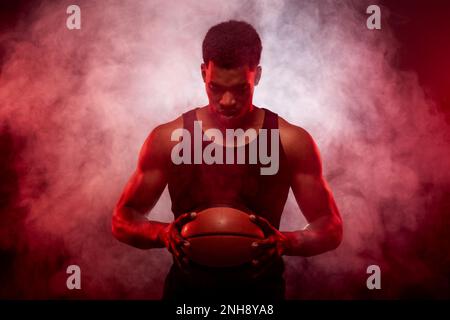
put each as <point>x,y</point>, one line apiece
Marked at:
<point>231,54</point>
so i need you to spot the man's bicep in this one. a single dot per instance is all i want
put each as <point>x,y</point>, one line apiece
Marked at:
<point>308,184</point>
<point>149,180</point>
<point>144,189</point>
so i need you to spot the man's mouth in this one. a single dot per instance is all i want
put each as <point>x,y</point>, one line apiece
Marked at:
<point>228,112</point>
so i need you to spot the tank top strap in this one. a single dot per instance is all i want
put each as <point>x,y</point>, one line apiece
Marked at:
<point>188,120</point>
<point>270,120</point>
<point>270,123</point>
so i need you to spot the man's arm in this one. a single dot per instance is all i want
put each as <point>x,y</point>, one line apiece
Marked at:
<point>141,193</point>
<point>315,199</point>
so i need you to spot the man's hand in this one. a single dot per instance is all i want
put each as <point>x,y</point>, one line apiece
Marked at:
<point>175,243</point>
<point>268,250</point>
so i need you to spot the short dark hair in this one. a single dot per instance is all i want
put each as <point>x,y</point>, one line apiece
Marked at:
<point>232,44</point>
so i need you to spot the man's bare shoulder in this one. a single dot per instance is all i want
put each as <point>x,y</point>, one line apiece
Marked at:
<point>163,132</point>
<point>292,136</point>
<point>299,146</point>
<point>158,145</point>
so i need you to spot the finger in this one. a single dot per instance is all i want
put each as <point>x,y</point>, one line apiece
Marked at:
<point>182,263</point>
<point>180,220</point>
<point>266,227</point>
<point>174,250</point>
<point>176,244</point>
<point>264,257</point>
<point>178,247</point>
<point>184,218</point>
<point>259,249</point>
<point>266,243</point>
<point>180,256</point>
<point>179,240</point>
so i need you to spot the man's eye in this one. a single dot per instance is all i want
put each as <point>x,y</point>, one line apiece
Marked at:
<point>243,88</point>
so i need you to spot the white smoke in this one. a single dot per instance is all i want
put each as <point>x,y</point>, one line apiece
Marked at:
<point>88,98</point>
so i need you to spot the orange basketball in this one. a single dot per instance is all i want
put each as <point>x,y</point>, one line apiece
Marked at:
<point>221,237</point>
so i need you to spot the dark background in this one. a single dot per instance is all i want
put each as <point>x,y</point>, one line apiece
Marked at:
<point>422,29</point>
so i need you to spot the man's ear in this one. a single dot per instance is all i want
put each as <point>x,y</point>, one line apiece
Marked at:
<point>258,74</point>
<point>203,69</point>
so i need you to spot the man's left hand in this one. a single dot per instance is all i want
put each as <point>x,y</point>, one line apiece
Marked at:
<point>267,251</point>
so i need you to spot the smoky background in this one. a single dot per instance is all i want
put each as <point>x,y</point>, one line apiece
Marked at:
<point>76,106</point>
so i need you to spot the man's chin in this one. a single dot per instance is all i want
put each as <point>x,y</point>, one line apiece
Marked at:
<point>229,116</point>
<point>229,119</point>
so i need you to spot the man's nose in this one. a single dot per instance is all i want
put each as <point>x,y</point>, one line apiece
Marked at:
<point>227,99</point>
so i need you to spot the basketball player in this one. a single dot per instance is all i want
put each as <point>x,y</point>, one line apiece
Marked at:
<point>230,70</point>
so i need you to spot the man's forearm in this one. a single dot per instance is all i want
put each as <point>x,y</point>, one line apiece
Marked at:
<point>320,236</point>
<point>134,229</point>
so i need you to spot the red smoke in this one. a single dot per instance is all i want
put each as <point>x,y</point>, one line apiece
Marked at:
<point>76,105</point>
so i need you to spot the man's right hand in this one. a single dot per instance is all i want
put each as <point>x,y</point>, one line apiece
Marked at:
<point>175,243</point>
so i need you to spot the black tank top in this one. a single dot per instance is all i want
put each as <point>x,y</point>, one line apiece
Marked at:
<point>193,187</point>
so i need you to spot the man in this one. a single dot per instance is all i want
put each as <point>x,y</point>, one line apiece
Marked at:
<point>231,53</point>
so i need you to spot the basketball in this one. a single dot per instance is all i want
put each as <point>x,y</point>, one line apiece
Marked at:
<point>221,237</point>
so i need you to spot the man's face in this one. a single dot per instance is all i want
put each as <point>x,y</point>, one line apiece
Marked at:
<point>230,91</point>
